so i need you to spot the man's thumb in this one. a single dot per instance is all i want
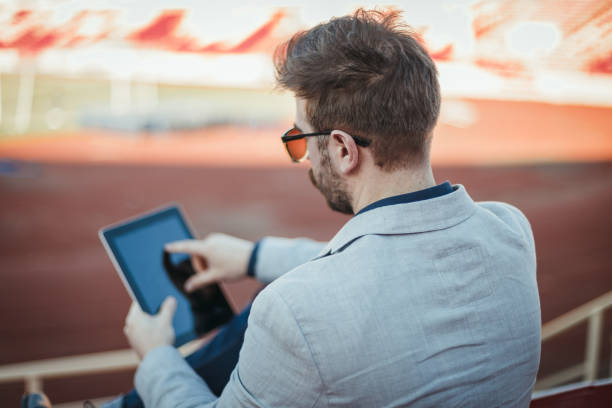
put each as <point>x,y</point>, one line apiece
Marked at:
<point>168,308</point>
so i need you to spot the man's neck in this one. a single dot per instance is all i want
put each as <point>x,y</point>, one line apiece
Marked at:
<point>378,184</point>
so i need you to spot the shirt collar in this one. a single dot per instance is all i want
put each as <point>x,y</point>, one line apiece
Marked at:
<point>424,215</point>
<point>431,192</point>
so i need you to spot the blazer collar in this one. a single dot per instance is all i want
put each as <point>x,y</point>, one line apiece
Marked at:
<point>408,218</point>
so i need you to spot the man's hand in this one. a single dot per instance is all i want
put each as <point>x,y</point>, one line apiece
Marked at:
<point>145,332</point>
<point>216,258</point>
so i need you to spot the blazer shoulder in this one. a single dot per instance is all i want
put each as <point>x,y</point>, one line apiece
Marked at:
<point>305,287</point>
<point>304,274</point>
<point>512,217</point>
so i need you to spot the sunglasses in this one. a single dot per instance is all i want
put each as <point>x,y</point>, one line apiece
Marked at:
<point>295,143</point>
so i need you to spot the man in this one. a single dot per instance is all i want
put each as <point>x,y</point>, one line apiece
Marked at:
<point>424,298</point>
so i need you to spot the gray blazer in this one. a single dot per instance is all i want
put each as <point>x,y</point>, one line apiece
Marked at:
<point>426,304</point>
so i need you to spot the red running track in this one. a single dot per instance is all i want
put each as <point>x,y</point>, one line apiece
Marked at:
<point>61,296</point>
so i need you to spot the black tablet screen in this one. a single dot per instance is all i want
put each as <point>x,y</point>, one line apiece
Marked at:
<point>138,248</point>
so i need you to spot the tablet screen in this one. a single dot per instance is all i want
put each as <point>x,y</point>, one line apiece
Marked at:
<point>137,247</point>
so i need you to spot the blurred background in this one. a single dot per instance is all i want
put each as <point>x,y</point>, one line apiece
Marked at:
<point>111,108</point>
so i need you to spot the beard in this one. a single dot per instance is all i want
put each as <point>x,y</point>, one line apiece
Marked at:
<point>332,187</point>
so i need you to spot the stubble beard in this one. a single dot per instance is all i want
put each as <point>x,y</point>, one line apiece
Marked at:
<point>331,186</point>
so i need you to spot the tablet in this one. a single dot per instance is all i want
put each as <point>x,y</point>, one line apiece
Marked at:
<point>136,249</point>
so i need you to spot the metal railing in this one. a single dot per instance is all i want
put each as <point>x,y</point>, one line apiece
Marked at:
<point>34,373</point>
<point>593,313</point>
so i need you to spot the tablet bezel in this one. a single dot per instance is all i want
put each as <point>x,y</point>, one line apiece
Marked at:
<point>180,338</point>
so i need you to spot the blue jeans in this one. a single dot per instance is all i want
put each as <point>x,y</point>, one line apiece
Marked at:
<point>215,361</point>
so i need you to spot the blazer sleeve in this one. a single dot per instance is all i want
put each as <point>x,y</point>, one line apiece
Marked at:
<point>275,368</point>
<point>276,256</point>
<point>164,379</point>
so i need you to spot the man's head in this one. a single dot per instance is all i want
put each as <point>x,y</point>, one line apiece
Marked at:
<point>364,75</point>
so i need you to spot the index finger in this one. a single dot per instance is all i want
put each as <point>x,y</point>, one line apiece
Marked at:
<point>187,246</point>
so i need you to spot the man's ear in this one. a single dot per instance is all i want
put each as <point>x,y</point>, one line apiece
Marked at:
<point>344,151</point>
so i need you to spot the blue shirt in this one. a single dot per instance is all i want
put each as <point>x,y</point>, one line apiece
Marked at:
<point>426,194</point>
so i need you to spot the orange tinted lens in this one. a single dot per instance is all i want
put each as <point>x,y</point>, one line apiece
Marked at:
<point>297,149</point>
<point>292,132</point>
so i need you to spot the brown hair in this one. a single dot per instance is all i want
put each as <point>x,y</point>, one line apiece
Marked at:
<point>366,74</point>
